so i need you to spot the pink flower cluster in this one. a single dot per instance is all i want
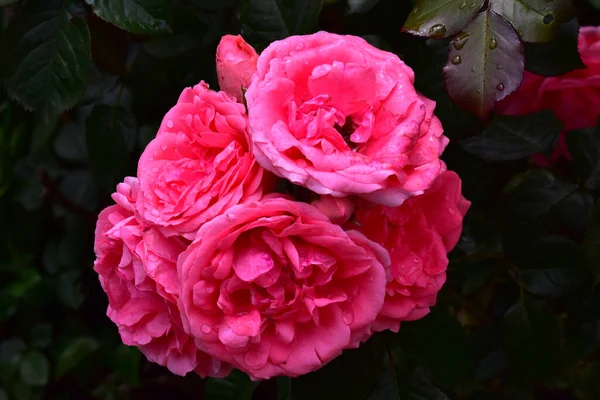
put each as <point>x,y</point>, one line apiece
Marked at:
<point>208,268</point>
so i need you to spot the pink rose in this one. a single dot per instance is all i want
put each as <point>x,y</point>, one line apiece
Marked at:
<point>199,164</point>
<point>236,63</point>
<point>138,271</point>
<point>339,116</point>
<point>274,288</point>
<point>574,97</point>
<point>418,234</point>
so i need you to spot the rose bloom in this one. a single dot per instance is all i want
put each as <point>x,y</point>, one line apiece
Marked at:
<point>574,97</point>
<point>418,235</point>
<point>236,62</point>
<point>138,271</point>
<point>339,116</point>
<point>199,164</point>
<point>274,288</point>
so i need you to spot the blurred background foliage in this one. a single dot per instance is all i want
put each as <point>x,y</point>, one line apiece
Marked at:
<point>86,85</point>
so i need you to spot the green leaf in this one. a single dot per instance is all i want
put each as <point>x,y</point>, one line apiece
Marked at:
<point>80,188</point>
<point>137,16</point>
<point>3,394</point>
<point>106,131</point>
<point>35,368</point>
<point>591,243</point>
<point>574,212</point>
<point>170,46</point>
<point>418,388</point>
<point>361,6</point>
<point>552,266</point>
<point>47,58</point>
<point>535,20</point>
<point>511,138</point>
<point>584,147</point>
<point>237,386</point>
<point>441,18</point>
<point>558,56</point>
<point>7,2</point>
<point>485,63</point>
<point>536,192</point>
<point>264,21</point>
<point>532,338</point>
<point>284,388</point>
<point>41,335</point>
<point>444,356</point>
<point>69,289</point>
<point>127,364</point>
<point>75,352</point>
<point>70,142</point>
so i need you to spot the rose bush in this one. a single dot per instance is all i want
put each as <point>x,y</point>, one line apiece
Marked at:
<point>274,288</point>
<point>340,117</point>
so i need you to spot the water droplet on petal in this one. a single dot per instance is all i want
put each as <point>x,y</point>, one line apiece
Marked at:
<point>155,169</point>
<point>451,211</point>
<point>170,124</point>
<point>163,147</point>
<point>205,328</point>
<point>437,30</point>
<point>493,43</point>
<point>348,317</point>
<point>459,41</point>
<point>500,87</point>
<point>416,260</point>
<point>154,212</point>
<point>456,59</point>
<point>209,290</point>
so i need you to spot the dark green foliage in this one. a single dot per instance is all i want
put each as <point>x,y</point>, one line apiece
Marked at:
<point>519,315</point>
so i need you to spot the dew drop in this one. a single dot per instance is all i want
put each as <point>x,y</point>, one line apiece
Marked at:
<point>456,59</point>
<point>154,212</point>
<point>500,87</point>
<point>163,147</point>
<point>473,70</point>
<point>416,260</point>
<point>170,124</point>
<point>459,41</point>
<point>548,19</point>
<point>348,317</point>
<point>416,10</point>
<point>462,5</point>
<point>155,169</point>
<point>209,290</point>
<point>498,66</point>
<point>205,328</point>
<point>451,211</point>
<point>493,43</point>
<point>472,5</point>
<point>437,30</point>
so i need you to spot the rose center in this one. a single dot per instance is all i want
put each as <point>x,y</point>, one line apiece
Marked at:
<point>346,131</point>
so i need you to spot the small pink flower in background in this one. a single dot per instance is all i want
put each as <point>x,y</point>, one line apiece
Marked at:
<point>274,288</point>
<point>138,271</point>
<point>199,164</point>
<point>340,117</point>
<point>236,63</point>
<point>574,97</point>
<point>418,235</point>
<point>337,209</point>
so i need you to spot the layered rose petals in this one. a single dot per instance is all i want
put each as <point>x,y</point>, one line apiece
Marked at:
<point>274,288</point>
<point>340,117</point>
<point>418,236</point>
<point>199,164</point>
<point>137,269</point>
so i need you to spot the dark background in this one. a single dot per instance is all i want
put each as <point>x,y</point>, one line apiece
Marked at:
<point>519,317</point>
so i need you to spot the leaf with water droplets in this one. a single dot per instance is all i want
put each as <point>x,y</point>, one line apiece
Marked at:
<point>440,18</point>
<point>491,64</point>
<point>535,20</point>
